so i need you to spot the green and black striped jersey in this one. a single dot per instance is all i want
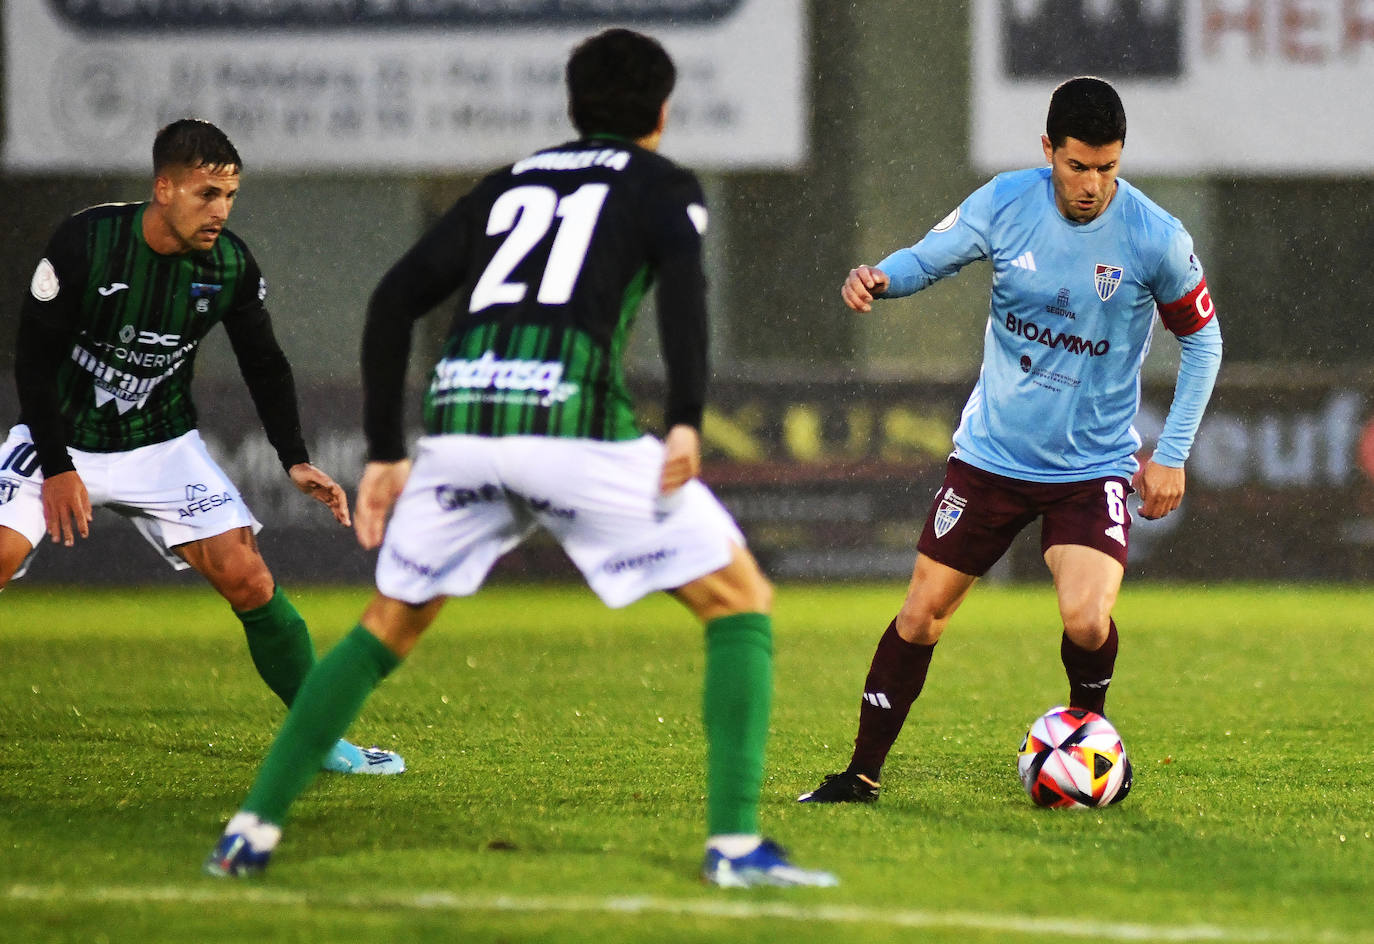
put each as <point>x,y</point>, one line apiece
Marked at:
<point>549,258</point>
<point>130,321</point>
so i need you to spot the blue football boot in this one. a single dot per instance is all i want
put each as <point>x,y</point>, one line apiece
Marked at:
<point>234,857</point>
<point>766,865</point>
<point>346,758</point>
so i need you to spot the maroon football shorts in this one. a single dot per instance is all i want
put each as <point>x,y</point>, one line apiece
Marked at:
<point>976,515</point>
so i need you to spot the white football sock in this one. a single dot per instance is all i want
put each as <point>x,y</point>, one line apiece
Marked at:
<point>263,837</point>
<point>734,845</point>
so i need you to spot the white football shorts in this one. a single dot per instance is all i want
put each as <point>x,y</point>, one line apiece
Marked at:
<point>172,491</point>
<point>471,499</point>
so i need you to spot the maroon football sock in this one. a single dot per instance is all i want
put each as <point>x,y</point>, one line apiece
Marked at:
<point>894,680</point>
<point>1089,672</point>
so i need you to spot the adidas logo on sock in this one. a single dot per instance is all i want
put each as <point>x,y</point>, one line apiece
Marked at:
<point>877,699</point>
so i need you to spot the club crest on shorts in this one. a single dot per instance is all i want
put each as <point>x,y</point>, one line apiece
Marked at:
<point>1106,279</point>
<point>948,513</point>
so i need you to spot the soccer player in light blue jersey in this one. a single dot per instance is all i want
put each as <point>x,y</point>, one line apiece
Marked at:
<point>1081,261</point>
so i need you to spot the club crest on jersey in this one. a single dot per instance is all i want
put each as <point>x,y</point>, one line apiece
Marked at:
<point>202,292</point>
<point>1106,279</point>
<point>948,513</point>
<point>44,285</point>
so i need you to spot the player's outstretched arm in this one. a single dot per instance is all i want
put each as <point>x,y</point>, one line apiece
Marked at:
<point>681,458</point>
<point>377,493</point>
<point>1160,488</point>
<point>862,285</point>
<point>66,507</point>
<point>313,482</point>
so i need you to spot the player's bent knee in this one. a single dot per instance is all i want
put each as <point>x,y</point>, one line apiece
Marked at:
<point>14,549</point>
<point>754,594</point>
<point>244,586</point>
<point>747,590</point>
<point>247,592</point>
<point>245,582</point>
<point>230,562</point>
<point>918,625</point>
<point>1088,631</point>
<point>924,616</point>
<point>738,587</point>
<point>760,599</point>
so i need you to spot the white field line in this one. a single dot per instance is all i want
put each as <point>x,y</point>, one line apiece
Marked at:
<point>723,907</point>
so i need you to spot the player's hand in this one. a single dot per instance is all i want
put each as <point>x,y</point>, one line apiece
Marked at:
<point>377,493</point>
<point>311,481</point>
<point>681,458</point>
<point>862,285</point>
<point>1160,488</point>
<point>66,508</point>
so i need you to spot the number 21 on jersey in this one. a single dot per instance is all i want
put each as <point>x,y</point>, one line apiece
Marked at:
<point>527,214</point>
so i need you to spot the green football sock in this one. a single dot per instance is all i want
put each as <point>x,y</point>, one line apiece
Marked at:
<point>330,699</point>
<point>279,644</point>
<point>738,694</point>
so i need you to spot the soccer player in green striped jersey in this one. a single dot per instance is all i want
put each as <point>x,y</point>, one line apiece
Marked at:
<point>107,341</point>
<point>529,425</point>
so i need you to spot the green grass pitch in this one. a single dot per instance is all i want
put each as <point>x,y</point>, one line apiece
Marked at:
<point>556,762</point>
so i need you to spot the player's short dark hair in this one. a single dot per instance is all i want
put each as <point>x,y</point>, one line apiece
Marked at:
<point>1086,108</point>
<point>192,142</point>
<point>618,81</point>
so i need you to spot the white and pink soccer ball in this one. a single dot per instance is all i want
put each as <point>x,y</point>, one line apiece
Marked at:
<point>1073,757</point>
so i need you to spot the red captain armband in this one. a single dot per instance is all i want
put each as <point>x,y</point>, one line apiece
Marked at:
<point>1190,313</point>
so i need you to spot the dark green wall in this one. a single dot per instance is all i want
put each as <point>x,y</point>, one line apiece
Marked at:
<point>1294,271</point>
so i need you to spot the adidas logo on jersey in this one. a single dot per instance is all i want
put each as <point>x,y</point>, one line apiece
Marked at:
<point>1025,261</point>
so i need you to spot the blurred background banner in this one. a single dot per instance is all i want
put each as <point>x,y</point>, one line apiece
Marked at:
<point>1221,85</point>
<point>361,84</point>
<point>832,480</point>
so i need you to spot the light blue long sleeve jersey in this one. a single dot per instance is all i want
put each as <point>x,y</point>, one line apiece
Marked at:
<point>1073,305</point>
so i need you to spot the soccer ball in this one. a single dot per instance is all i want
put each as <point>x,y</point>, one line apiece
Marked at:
<point>1074,757</point>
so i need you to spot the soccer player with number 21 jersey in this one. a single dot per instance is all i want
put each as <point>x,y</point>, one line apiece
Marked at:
<point>529,425</point>
<point>1081,263</point>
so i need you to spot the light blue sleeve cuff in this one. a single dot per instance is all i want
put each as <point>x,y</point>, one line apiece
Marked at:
<point>1197,374</point>
<point>906,273</point>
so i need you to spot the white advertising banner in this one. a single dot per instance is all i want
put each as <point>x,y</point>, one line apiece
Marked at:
<point>383,85</point>
<point>1210,86</point>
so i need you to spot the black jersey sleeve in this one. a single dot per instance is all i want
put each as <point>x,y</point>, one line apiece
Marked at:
<point>432,270</point>
<point>47,325</point>
<point>677,223</point>
<point>39,351</point>
<point>59,279</point>
<point>265,369</point>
